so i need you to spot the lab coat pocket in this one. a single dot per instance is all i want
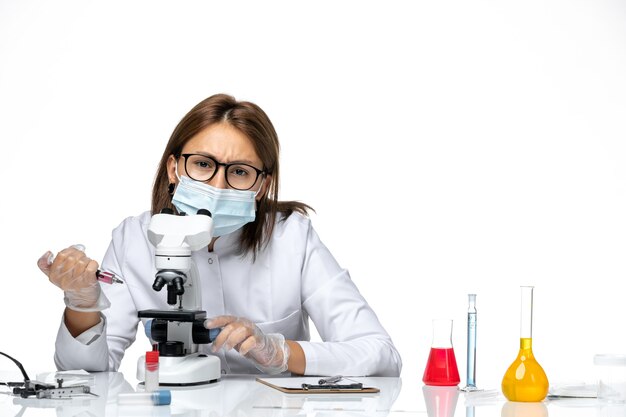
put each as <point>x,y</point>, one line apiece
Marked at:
<point>292,327</point>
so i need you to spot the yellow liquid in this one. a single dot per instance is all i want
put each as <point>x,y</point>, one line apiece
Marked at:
<point>525,380</point>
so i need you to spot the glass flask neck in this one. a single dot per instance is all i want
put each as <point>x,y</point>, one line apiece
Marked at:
<point>526,316</point>
<point>442,333</point>
<point>526,344</point>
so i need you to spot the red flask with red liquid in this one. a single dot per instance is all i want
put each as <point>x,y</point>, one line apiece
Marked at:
<point>441,368</point>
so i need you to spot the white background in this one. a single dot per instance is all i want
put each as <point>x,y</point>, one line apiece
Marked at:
<point>447,146</point>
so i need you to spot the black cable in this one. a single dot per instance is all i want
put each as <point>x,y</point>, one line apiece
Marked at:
<point>30,387</point>
<point>19,365</point>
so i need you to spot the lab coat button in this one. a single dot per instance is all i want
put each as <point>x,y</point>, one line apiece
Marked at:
<point>210,261</point>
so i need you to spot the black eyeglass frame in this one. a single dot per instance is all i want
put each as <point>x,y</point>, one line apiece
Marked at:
<point>226,166</point>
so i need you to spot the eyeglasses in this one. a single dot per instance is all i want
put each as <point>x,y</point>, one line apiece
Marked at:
<point>238,176</point>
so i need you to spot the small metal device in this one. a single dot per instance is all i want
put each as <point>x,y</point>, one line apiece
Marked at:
<point>330,380</point>
<point>63,392</point>
<point>42,390</point>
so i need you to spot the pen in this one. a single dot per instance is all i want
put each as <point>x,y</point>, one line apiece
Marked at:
<point>330,380</point>
<point>355,386</point>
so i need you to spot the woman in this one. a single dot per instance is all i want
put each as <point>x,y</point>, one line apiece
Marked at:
<point>264,274</point>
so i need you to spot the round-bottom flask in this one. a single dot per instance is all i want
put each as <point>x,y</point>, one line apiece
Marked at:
<point>525,380</point>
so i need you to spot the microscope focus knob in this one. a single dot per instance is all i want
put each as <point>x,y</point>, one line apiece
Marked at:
<point>201,335</point>
<point>158,330</point>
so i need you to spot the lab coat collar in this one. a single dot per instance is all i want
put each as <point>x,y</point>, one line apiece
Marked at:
<point>227,243</point>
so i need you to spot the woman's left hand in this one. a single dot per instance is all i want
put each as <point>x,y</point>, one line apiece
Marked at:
<point>269,352</point>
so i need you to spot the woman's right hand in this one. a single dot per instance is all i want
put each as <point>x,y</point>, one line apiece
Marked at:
<point>74,273</point>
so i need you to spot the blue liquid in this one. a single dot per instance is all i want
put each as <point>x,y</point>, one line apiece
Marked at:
<point>471,349</point>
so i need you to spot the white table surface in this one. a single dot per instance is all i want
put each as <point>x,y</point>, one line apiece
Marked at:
<point>242,396</point>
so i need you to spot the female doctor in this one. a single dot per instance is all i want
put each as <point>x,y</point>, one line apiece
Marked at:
<point>264,274</point>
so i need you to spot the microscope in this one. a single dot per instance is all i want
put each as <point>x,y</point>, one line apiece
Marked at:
<point>179,330</point>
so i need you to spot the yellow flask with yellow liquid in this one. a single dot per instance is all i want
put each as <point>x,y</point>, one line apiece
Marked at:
<point>525,380</point>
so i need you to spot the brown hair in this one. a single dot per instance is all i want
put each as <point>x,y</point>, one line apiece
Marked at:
<point>252,121</point>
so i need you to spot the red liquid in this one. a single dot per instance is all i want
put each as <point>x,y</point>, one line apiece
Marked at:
<point>441,368</point>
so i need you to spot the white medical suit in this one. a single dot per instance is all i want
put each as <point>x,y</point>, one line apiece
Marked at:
<point>294,278</point>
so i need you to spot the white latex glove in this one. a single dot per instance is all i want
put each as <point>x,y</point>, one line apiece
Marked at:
<point>268,352</point>
<point>75,273</point>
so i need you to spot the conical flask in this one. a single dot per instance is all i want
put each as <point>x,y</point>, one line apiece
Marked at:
<point>441,368</point>
<point>440,401</point>
<point>525,380</point>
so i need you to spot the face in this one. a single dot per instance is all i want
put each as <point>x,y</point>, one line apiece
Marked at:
<point>225,144</point>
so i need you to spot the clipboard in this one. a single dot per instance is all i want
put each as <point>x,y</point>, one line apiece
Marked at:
<point>293,385</point>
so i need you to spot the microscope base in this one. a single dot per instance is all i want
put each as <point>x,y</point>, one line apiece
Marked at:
<point>195,369</point>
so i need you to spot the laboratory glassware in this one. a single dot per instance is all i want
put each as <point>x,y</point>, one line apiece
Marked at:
<point>158,397</point>
<point>525,380</point>
<point>441,368</point>
<point>440,401</point>
<point>471,344</point>
<point>611,377</point>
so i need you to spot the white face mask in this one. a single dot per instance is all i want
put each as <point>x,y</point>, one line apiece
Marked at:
<point>230,209</point>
